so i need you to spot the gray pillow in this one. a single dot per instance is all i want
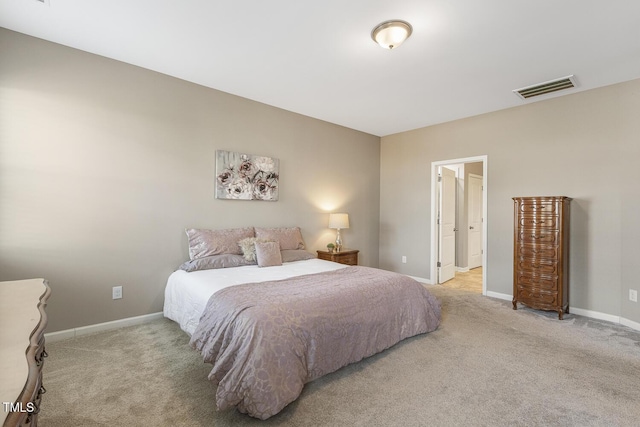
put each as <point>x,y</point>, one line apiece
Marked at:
<point>215,261</point>
<point>290,255</point>
<point>288,237</point>
<point>203,243</point>
<point>268,254</point>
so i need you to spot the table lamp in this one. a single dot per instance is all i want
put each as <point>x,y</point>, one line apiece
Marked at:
<point>338,221</point>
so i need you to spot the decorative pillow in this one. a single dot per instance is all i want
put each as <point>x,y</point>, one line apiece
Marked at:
<point>248,247</point>
<point>290,255</point>
<point>203,243</point>
<point>289,238</point>
<point>215,261</point>
<point>268,254</point>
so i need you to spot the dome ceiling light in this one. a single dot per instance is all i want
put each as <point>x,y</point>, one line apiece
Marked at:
<point>391,34</point>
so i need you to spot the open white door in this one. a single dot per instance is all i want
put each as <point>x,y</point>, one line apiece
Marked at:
<point>435,217</point>
<point>446,226</point>
<point>474,188</point>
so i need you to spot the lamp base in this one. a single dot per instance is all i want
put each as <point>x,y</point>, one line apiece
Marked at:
<point>338,247</point>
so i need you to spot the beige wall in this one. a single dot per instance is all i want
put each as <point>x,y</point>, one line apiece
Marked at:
<point>103,165</point>
<point>585,146</point>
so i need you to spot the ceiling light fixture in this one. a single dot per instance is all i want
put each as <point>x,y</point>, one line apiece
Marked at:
<point>391,34</point>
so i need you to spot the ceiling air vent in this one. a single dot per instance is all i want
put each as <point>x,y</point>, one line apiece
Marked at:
<point>546,87</point>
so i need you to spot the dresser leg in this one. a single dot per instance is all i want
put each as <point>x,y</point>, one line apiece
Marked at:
<point>515,304</point>
<point>560,314</point>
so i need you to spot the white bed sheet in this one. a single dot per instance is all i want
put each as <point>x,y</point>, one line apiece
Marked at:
<point>187,294</point>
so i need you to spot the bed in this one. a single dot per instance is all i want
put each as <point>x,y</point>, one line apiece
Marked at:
<point>187,293</point>
<point>269,331</point>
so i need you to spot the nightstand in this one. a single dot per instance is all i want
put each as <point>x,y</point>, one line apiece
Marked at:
<point>345,256</point>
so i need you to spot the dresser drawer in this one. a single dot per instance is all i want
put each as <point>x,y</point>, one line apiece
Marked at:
<point>538,236</point>
<point>537,298</point>
<point>539,251</point>
<point>347,256</point>
<point>349,259</point>
<point>538,265</point>
<point>539,207</point>
<point>533,281</point>
<point>539,221</point>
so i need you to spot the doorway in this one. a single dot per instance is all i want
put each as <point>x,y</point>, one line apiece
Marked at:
<point>470,228</point>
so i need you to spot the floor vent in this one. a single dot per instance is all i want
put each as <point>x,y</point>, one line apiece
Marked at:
<point>546,87</point>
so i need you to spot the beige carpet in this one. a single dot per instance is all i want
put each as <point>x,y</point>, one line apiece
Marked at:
<point>487,365</point>
<point>469,281</point>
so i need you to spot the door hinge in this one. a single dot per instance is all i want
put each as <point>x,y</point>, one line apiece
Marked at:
<point>439,178</point>
<point>439,264</point>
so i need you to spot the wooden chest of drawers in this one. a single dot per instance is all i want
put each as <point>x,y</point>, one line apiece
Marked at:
<point>541,253</point>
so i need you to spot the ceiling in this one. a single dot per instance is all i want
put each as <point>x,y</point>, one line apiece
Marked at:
<point>317,58</point>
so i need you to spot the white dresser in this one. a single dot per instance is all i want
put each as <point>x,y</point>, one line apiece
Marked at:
<point>22,352</point>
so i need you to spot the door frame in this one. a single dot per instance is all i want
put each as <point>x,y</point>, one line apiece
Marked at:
<point>434,214</point>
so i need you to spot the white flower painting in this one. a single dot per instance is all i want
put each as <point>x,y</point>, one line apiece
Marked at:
<point>246,177</point>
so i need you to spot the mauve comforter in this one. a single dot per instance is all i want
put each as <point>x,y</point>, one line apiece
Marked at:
<point>266,340</point>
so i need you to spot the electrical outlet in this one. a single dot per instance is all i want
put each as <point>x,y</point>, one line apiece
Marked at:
<point>633,295</point>
<point>116,292</point>
<point>404,259</point>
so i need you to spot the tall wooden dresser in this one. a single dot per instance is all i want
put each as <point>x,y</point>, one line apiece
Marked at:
<point>541,253</point>
<point>22,324</point>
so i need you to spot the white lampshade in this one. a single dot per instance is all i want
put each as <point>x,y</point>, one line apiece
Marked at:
<point>338,220</point>
<point>391,34</point>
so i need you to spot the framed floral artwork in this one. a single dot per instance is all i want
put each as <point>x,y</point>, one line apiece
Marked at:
<point>246,177</point>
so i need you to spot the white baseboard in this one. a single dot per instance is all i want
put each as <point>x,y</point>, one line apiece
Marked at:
<point>630,323</point>
<point>499,295</point>
<point>99,327</point>
<point>582,312</point>
<point>594,314</point>
<point>462,269</point>
<point>604,316</point>
<point>421,279</point>
<point>130,321</point>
